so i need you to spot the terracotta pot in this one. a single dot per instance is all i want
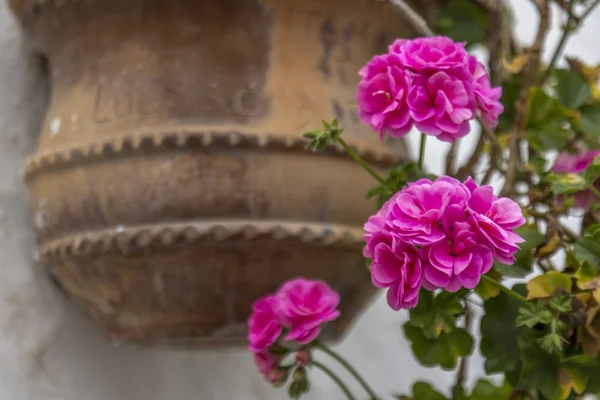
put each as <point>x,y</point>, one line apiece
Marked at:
<point>171,187</point>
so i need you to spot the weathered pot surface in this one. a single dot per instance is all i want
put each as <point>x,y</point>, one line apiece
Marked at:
<point>171,187</point>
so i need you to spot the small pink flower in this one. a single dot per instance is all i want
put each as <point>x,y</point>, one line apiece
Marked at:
<point>266,362</point>
<point>304,305</point>
<point>460,259</point>
<point>443,102</point>
<point>495,218</point>
<point>264,325</point>
<point>488,97</point>
<point>381,96</point>
<point>573,164</point>
<point>417,210</point>
<point>397,267</point>
<point>439,51</point>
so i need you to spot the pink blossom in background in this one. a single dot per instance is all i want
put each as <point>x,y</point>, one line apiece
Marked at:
<point>488,97</point>
<point>443,102</point>
<point>573,164</point>
<point>440,234</point>
<point>264,325</point>
<point>266,363</point>
<point>430,83</point>
<point>398,268</point>
<point>305,305</point>
<point>382,95</point>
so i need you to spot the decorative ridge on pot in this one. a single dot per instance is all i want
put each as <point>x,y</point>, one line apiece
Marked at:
<point>187,138</point>
<point>125,239</point>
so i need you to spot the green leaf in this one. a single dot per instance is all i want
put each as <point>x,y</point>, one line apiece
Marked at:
<point>565,183</point>
<point>587,253</point>
<point>561,304</point>
<point>458,393</point>
<point>572,89</point>
<point>524,257</point>
<point>435,315</point>
<point>463,21</point>
<point>443,351</point>
<point>549,136</point>
<point>533,313</point>
<point>510,93</point>
<point>592,173</point>
<point>540,369</point>
<point>589,119</point>
<point>499,335</point>
<point>543,109</point>
<point>546,285</point>
<point>423,390</point>
<point>485,390</point>
<point>395,181</point>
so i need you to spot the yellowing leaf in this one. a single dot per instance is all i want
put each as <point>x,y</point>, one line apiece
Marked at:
<point>516,65</point>
<point>546,285</point>
<point>550,246</point>
<point>597,295</point>
<point>570,380</point>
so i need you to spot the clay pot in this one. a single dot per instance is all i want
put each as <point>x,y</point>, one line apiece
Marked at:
<point>171,187</point>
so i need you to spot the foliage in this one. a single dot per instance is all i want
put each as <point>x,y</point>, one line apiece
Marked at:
<point>542,336</point>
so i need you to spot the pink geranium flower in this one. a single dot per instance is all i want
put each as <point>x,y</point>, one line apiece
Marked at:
<point>442,102</point>
<point>398,268</point>
<point>381,96</point>
<point>304,305</point>
<point>417,210</point>
<point>439,51</point>
<point>495,218</point>
<point>460,259</point>
<point>376,229</point>
<point>264,325</point>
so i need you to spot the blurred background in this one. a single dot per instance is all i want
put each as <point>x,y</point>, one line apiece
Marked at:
<point>49,350</point>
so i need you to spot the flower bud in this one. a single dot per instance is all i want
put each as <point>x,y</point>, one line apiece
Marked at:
<point>278,376</point>
<point>299,374</point>
<point>303,357</point>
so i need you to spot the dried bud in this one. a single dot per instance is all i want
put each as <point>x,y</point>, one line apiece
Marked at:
<point>303,357</point>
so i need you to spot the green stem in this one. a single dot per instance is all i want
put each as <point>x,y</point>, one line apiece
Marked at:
<point>506,290</point>
<point>335,378</point>
<point>422,151</point>
<point>594,190</point>
<point>350,369</point>
<point>360,161</point>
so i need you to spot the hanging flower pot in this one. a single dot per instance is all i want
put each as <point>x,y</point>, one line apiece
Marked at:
<point>171,187</point>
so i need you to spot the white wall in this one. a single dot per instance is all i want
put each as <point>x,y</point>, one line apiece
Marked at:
<point>48,349</point>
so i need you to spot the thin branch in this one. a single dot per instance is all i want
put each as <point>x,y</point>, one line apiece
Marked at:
<point>522,106</point>
<point>417,22</point>
<point>463,366</point>
<point>451,157</point>
<point>567,30</point>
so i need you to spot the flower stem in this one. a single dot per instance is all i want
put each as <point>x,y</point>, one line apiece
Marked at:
<point>506,290</point>
<point>422,151</point>
<point>595,190</point>
<point>335,378</point>
<point>350,369</point>
<point>360,161</point>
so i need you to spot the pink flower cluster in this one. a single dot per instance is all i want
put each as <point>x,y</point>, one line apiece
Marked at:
<point>440,234</point>
<point>297,311</point>
<point>573,164</point>
<point>431,83</point>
